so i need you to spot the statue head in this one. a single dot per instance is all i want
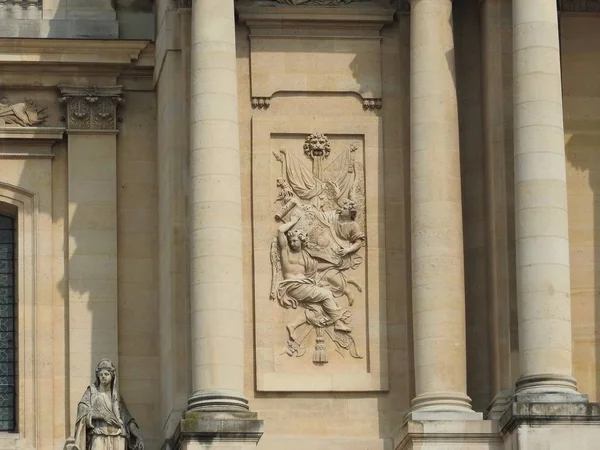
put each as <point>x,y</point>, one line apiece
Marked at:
<point>296,239</point>
<point>317,146</point>
<point>105,373</point>
<point>348,209</point>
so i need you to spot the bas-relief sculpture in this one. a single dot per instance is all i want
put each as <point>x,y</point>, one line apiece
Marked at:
<point>24,114</point>
<point>317,246</point>
<point>103,421</point>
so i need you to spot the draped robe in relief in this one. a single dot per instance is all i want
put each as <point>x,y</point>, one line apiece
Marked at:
<point>96,434</point>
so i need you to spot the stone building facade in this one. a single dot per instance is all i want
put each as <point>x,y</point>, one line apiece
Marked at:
<point>294,224</point>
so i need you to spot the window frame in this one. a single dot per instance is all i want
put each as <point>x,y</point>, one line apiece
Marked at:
<point>11,212</point>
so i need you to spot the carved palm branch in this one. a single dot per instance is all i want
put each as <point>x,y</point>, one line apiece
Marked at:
<point>276,276</point>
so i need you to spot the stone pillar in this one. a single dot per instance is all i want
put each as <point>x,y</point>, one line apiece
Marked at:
<point>542,239</point>
<point>217,412</point>
<point>438,293</point>
<point>92,227</point>
<point>217,317</point>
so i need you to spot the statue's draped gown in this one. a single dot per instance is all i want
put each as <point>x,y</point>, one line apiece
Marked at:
<point>97,434</point>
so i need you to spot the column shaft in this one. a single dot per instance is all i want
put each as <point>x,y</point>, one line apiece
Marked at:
<point>542,244</point>
<point>437,241</point>
<point>217,321</point>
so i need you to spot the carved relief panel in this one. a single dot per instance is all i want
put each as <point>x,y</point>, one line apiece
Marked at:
<point>318,251</point>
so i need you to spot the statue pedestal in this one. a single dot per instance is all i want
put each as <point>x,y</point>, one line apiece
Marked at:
<point>202,430</point>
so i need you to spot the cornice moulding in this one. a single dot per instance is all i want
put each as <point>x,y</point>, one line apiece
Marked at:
<point>282,15</point>
<point>67,51</point>
<point>39,134</point>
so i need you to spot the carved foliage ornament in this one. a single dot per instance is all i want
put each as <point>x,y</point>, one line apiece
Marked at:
<point>318,245</point>
<point>92,107</point>
<point>25,114</point>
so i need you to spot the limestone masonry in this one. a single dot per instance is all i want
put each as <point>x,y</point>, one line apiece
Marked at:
<point>299,224</point>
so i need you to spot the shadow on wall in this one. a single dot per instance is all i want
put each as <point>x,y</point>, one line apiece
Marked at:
<point>465,64</point>
<point>584,233</point>
<point>84,253</point>
<point>580,47</point>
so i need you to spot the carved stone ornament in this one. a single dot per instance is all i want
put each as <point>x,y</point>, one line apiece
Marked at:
<point>103,421</point>
<point>261,102</point>
<point>372,103</point>
<point>579,5</point>
<point>25,114</point>
<point>91,107</point>
<point>318,245</point>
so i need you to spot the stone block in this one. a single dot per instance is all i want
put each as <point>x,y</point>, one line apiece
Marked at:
<point>226,430</point>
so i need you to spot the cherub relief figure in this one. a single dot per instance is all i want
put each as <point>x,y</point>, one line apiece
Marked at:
<point>343,223</point>
<point>315,249</point>
<point>103,421</point>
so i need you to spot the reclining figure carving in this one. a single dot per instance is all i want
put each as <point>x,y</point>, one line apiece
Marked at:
<point>24,114</point>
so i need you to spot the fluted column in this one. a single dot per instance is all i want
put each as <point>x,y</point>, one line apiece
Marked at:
<point>542,243</point>
<point>217,323</point>
<point>437,243</point>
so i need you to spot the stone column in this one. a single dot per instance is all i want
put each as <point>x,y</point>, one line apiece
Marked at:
<point>542,240</point>
<point>217,317</point>
<point>218,412</point>
<point>438,293</point>
<point>91,116</point>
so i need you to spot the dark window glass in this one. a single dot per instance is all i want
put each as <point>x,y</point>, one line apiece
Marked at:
<point>8,329</point>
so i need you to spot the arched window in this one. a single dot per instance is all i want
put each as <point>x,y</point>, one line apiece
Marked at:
<point>8,321</point>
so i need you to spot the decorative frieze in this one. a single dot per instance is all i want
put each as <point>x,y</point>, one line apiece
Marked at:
<point>24,114</point>
<point>579,5</point>
<point>91,107</point>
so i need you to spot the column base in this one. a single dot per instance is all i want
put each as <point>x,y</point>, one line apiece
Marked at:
<point>448,434</point>
<point>548,388</point>
<point>216,419</point>
<point>442,406</point>
<point>217,400</point>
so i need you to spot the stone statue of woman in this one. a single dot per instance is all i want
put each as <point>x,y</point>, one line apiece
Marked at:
<point>103,421</point>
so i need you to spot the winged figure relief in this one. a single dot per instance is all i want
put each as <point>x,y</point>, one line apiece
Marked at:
<point>318,245</point>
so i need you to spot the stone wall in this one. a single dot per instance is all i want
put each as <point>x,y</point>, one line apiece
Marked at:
<point>300,414</point>
<point>581,90</point>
